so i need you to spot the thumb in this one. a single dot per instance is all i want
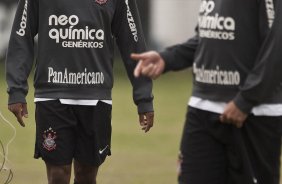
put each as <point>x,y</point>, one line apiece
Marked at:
<point>141,119</point>
<point>222,118</point>
<point>138,56</point>
<point>24,110</point>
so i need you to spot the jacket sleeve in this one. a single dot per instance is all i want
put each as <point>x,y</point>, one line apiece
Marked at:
<point>127,30</point>
<point>180,56</point>
<point>20,53</point>
<point>266,76</point>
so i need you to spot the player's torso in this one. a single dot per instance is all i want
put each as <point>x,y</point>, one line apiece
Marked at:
<point>231,32</point>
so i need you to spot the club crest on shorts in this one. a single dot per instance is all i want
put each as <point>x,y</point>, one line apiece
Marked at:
<point>49,139</point>
<point>101,2</point>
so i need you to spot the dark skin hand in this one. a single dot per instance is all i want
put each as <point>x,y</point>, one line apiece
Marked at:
<point>146,120</point>
<point>20,111</point>
<point>233,115</point>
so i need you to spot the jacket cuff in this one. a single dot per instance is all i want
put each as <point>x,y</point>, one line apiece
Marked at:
<point>16,97</point>
<point>244,105</point>
<point>168,58</point>
<point>145,107</point>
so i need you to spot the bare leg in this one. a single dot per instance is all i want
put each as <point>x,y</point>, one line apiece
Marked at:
<point>58,174</point>
<point>85,174</point>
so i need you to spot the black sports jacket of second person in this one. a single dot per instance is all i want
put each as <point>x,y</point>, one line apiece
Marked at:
<point>75,49</point>
<point>265,79</point>
<point>224,50</point>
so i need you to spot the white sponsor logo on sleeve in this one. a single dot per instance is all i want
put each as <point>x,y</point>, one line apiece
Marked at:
<point>270,12</point>
<point>21,31</point>
<point>131,22</point>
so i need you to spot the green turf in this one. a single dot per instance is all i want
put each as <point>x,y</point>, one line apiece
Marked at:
<point>137,158</point>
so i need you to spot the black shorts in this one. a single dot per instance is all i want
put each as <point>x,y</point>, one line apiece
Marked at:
<point>67,132</point>
<point>212,152</point>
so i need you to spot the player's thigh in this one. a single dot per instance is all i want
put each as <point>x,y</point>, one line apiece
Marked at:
<point>263,139</point>
<point>55,133</point>
<point>58,174</point>
<point>203,154</point>
<point>93,141</point>
<point>85,173</point>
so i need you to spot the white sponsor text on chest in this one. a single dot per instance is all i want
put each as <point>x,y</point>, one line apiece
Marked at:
<point>66,33</point>
<point>213,25</point>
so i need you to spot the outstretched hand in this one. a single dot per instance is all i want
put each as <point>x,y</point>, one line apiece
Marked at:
<point>150,64</point>
<point>146,120</point>
<point>20,111</point>
<point>233,115</point>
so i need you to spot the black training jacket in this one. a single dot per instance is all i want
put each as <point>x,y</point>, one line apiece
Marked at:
<point>75,49</point>
<point>224,50</point>
<point>266,77</point>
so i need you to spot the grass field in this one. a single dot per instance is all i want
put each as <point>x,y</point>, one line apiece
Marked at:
<point>137,158</point>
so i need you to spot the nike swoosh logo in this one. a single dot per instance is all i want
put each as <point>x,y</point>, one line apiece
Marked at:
<point>102,151</point>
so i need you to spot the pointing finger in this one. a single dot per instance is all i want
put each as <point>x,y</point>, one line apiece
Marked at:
<point>18,114</point>
<point>138,56</point>
<point>138,69</point>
